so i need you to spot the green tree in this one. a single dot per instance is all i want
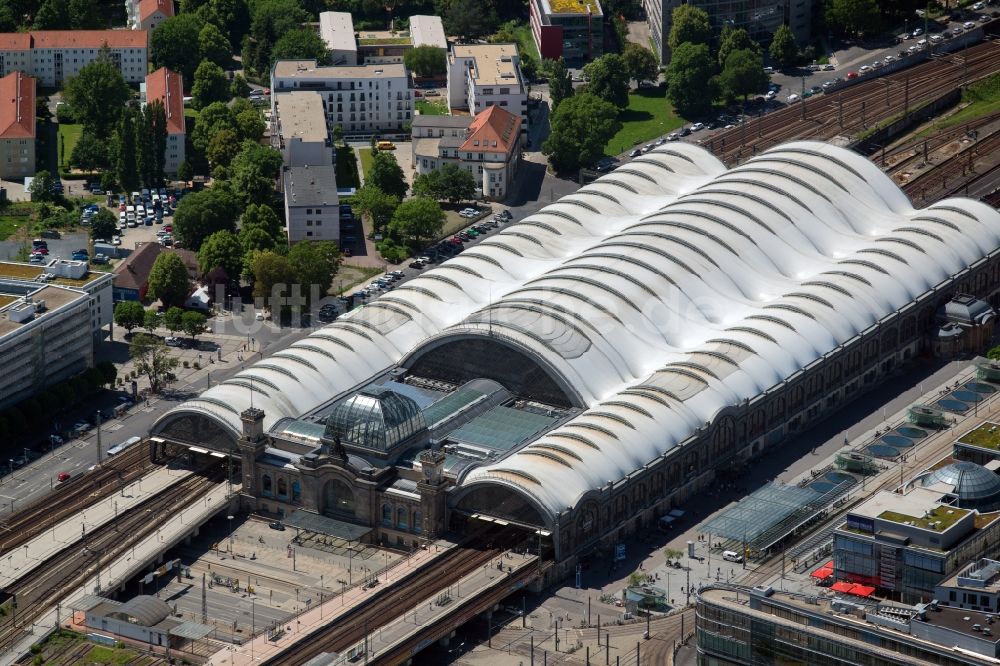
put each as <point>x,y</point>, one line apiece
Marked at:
<point>201,214</point>
<point>175,44</point>
<point>239,88</point>
<point>129,315</point>
<point>270,271</point>
<point>263,216</point>
<point>270,19</point>
<point>314,265</point>
<point>784,50</point>
<point>852,17</point>
<point>89,153</point>
<point>251,125</point>
<point>560,82</point>
<point>447,182</point>
<point>8,22</point>
<point>377,205</point>
<point>609,77</point>
<point>172,319</point>
<point>210,85</point>
<point>151,358</point>
<point>690,85</point>
<point>417,219</point>
<point>83,14</point>
<point>640,62</point>
<point>303,44</point>
<point>735,39</point>
<point>426,60</point>
<point>126,167</point>
<point>386,174</point>
<point>103,225</point>
<point>168,280</point>
<point>193,324</point>
<point>252,238</point>
<point>743,74</point>
<point>255,171</point>
<point>470,19</point>
<point>150,322</point>
<point>213,46</point>
<point>213,119</point>
<point>97,95</point>
<point>108,372</point>
<point>184,171</point>
<point>41,186</point>
<point>221,250</point>
<point>52,15</point>
<point>689,24</point>
<point>150,127</point>
<point>581,127</point>
<point>223,147</point>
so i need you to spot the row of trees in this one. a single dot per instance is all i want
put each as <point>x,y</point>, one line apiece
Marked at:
<point>131,315</point>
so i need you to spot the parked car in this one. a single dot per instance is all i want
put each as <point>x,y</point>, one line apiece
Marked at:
<point>917,32</point>
<point>63,476</point>
<point>635,152</point>
<point>697,127</point>
<point>100,258</point>
<point>277,525</point>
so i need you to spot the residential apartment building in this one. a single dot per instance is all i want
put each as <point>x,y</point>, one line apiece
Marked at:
<point>167,87</point>
<point>737,625</point>
<point>298,129</point>
<point>363,100</point>
<point>484,75</point>
<point>427,31</point>
<point>570,29</point>
<point>337,31</point>
<point>905,543</point>
<point>311,203</point>
<point>760,18</point>
<point>53,56</point>
<point>17,126</point>
<point>488,146</point>
<point>147,14</point>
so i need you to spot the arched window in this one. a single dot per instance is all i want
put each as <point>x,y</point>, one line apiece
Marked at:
<point>282,489</point>
<point>401,518</point>
<point>338,498</point>
<point>296,492</point>
<point>387,515</point>
<point>418,523</point>
<point>265,484</point>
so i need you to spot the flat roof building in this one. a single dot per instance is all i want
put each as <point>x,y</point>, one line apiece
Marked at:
<point>311,203</point>
<point>167,87</point>
<point>363,99</point>
<point>570,29</point>
<point>427,31</point>
<point>17,126</point>
<point>337,31</point>
<point>484,75</point>
<point>299,129</point>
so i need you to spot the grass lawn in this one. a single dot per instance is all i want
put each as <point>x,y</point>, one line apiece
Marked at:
<point>349,276</point>
<point>429,108</point>
<point>648,116</point>
<point>525,42</point>
<point>942,517</point>
<point>986,436</point>
<point>190,113</point>
<point>9,224</point>
<point>366,160</point>
<point>983,98</point>
<point>68,136</point>
<point>347,167</point>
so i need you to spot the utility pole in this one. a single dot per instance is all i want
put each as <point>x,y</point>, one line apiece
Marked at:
<point>204,599</point>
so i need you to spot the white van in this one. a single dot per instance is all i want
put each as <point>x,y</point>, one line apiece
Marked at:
<point>732,556</point>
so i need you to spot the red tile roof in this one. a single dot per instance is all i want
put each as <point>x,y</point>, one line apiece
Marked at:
<point>89,39</point>
<point>148,7</point>
<point>17,106</point>
<point>165,85</point>
<point>494,130</point>
<point>133,273</point>
<point>15,41</point>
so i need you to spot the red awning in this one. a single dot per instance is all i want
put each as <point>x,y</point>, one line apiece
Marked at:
<point>822,573</point>
<point>843,586</point>
<point>828,565</point>
<point>856,589</point>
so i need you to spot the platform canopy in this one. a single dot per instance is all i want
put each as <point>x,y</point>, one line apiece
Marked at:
<point>314,522</point>
<point>757,513</point>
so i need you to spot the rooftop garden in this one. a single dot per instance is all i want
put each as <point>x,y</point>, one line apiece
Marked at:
<point>986,436</point>
<point>19,271</point>
<point>383,41</point>
<point>943,517</point>
<point>574,6</point>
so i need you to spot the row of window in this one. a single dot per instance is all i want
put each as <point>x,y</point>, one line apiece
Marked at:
<point>268,489</point>
<point>354,118</point>
<point>404,520</point>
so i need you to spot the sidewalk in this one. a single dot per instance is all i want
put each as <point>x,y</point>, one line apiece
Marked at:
<point>23,560</point>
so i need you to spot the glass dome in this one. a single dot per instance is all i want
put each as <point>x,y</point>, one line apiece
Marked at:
<point>376,419</point>
<point>972,483</point>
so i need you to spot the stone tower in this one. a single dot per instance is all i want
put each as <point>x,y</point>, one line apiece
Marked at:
<point>432,489</point>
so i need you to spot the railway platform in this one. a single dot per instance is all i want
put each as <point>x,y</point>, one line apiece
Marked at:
<point>22,561</point>
<point>171,531</point>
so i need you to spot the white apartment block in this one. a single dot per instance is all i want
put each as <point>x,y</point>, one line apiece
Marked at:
<point>298,129</point>
<point>364,99</point>
<point>147,14</point>
<point>167,87</point>
<point>337,30</point>
<point>53,56</point>
<point>484,75</point>
<point>311,204</point>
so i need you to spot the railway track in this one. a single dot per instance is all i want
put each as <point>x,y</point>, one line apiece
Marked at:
<point>387,604</point>
<point>953,175</point>
<point>72,497</point>
<point>70,568</point>
<point>851,110</point>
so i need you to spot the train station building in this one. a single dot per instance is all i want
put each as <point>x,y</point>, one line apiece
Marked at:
<point>596,365</point>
